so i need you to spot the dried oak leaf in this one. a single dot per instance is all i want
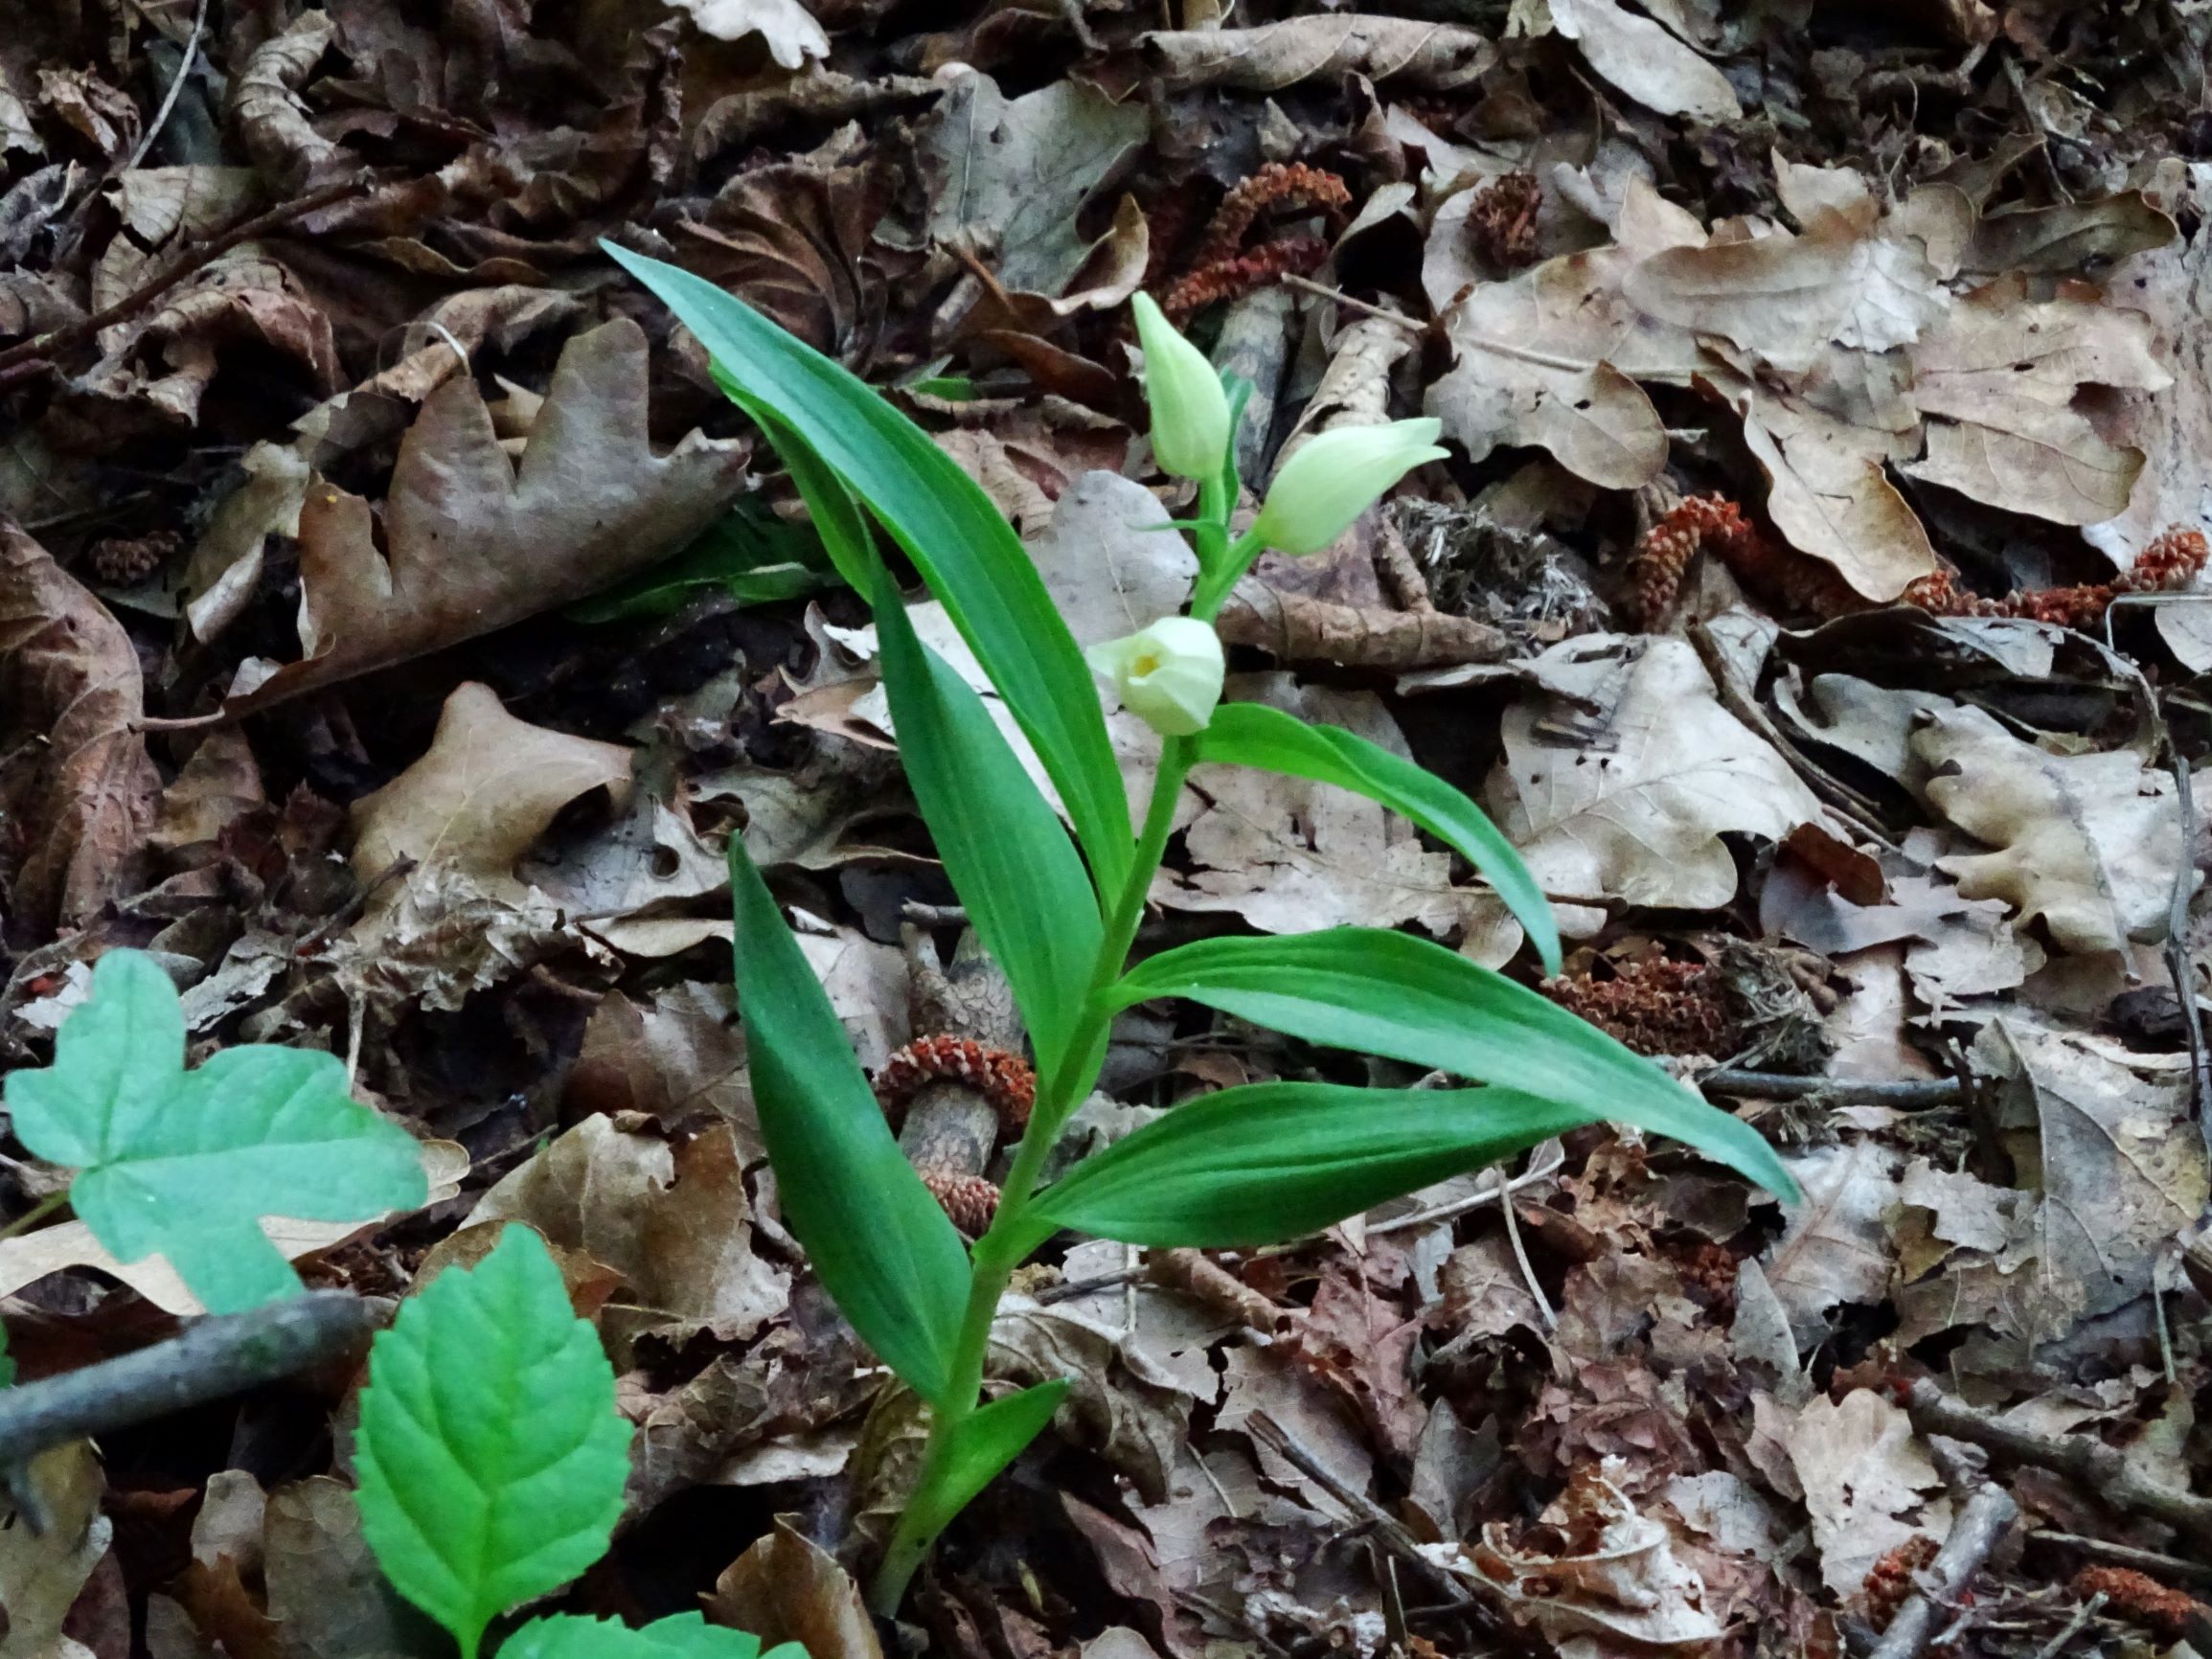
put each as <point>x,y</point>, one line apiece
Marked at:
<point>471,542</point>
<point>76,783</point>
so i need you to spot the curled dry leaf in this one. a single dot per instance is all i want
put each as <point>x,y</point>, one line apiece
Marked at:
<point>488,786</point>
<point>471,543</point>
<point>1593,1567</point>
<point>1432,57</point>
<point>1622,776</point>
<point>272,122</point>
<point>788,28</point>
<point>77,775</point>
<point>787,1588</point>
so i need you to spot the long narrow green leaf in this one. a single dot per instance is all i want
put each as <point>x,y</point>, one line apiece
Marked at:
<point>961,543</point>
<point>983,1444</point>
<point>1011,862</point>
<point>1390,993</point>
<point>885,1252</point>
<point>1276,1161</point>
<point>1255,734</point>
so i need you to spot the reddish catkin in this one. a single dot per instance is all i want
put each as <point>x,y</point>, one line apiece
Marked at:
<point>2138,1598</point>
<point>1501,223</point>
<point>1277,186</point>
<point>1712,523</point>
<point>1005,1079</point>
<point>1889,1581</point>
<point>125,560</point>
<point>1233,279</point>
<point>970,1202</point>
<point>1656,1006</point>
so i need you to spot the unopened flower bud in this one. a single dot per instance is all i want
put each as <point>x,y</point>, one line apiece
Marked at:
<point>1331,480</point>
<point>1169,675</point>
<point>1190,410</point>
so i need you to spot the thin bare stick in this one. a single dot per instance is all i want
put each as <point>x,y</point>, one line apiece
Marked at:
<point>1459,1207</point>
<point>175,86</point>
<point>1973,1535</point>
<point>214,1358</point>
<point>2150,1561</point>
<point>1322,289</point>
<point>2083,1614</point>
<point>2094,1466</point>
<point>1736,1084</point>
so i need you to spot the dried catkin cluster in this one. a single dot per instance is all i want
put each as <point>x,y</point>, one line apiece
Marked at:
<point>1718,526</point>
<point>1889,1581</point>
<point>1005,1079</point>
<point>1224,268</point>
<point>2138,1598</point>
<point>1501,225</point>
<point>1656,1006</point>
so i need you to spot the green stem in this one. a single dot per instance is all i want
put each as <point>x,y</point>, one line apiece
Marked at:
<point>37,1213</point>
<point>995,1255</point>
<point>1221,574</point>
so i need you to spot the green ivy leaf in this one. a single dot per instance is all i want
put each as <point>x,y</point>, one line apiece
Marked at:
<point>680,1636</point>
<point>187,1163</point>
<point>489,1456</point>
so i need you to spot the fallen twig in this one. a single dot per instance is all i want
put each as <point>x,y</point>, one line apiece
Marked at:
<point>2152,1561</point>
<point>2095,1466</point>
<point>1973,1535</point>
<point>1738,1084</point>
<point>214,1358</point>
<point>177,82</point>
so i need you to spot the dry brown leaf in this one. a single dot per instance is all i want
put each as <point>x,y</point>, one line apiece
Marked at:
<point>1834,1247</point>
<point>272,122</point>
<point>2068,235</point>
<point>325,1591</point>
<point>1592,1568</point>
<point>2086,843</point>
<point>467,810</point>
<point>1433,56</point>
<point>41,1572</point>
<point>2000,377</point>
<point>73,773</point>
<point>673,1059</point>
<point>1620,779</point>
<point>1645,61</point>
<point>674,1222</point>
<point>471,543</point>
<point>1866,1484</point>
<point>789,1589</point>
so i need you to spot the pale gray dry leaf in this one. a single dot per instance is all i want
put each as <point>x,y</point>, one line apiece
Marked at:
<point>470,543</point>
<point>788,28</point>
<point>1835,1247</point>
<point>674,1225</point>
<point>1645,61</point>
<point>1867,1483</point>
<point>272,124</point>
<point>865,981</point>
<point>2067,236</point>
<point>2086,843</point>
<point>1430,57</point>
<point>1621,783</point>
<point>73,772</point>
<point>1122,1404</point>
<point>226,561</point>
<point>2000,377</point>
<point>326,1592</point>
<point>40,1573</point>
<point>1010,176</point>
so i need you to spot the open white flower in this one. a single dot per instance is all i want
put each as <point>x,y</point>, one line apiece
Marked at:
<point>1190,410</point>
<point>1169,675</point>
<point>1330,481</point>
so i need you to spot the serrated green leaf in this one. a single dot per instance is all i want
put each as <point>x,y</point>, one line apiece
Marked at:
<point>1389,993</point>
<point>489,1455</point>
<point>879,1241</point>
<point>1276,1161</point>
<point>962,544</point>
<point>1255,734</point>
<point>984,1443</point>
<point>187,1163</point>
<point>680,1636</point>
<point>1011,862</point>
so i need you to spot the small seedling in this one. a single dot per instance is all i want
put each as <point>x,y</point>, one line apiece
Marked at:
<point>491,1463</point>
<point>187,1163</point>
<point>1243,1166</point>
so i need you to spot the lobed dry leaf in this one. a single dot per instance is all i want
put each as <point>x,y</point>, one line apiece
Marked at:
<point>1869,1487</point>
<point>469,542</point>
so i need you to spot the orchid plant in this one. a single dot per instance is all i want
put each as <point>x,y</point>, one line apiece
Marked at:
<point>1059,911</point>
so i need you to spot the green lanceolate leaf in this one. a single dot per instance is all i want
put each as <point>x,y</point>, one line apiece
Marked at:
<point>1390,993</point>
<point>984,1444</point>
<point>1011,862</point>
<point>7,1361</point>
<point>960,542</point>
<point>489,1455</point>
<point>187,1163</point>
<point>1254,735</point>
<point>1276,1161</point>
<point>882,1247</point>
<point>752,554</point>
<point>680,1636</point>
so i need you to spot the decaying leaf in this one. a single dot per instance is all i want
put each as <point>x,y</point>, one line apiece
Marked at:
<point>2087,843</point>
<point>468,542</point>
<point>1868,1483</point>
<point>1835,1248</point>
<point>1623,774</point>
<point>1433,56</point>
<point>787,1588</point>
<point>74,771</point>
<point>1645,61</point>
<point>41,1572</point>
